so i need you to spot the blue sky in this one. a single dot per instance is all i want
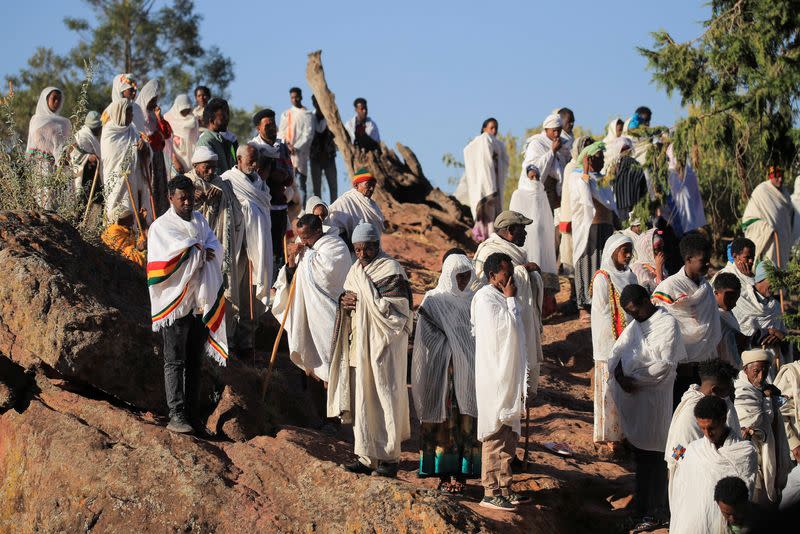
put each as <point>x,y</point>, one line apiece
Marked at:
<point>433,70</point>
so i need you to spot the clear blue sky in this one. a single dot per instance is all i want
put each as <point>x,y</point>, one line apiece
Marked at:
<point>431,70</point>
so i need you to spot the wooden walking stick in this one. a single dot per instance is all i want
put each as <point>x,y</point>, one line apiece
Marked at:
<point>91,192</point>
<point>133,205</point>
<point>278,337</point>
<point>252,313</point>
<point>780,292</point>
<point>527,435</point>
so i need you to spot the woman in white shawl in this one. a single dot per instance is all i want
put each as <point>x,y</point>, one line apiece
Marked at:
<point>48,133</point>
<point>608,322</point>
<point>443,378</point>
<point>121,151</point>
<point>185,132</point>
<point>156,132</point>
<point>650,266</point>
<point>482,186</point>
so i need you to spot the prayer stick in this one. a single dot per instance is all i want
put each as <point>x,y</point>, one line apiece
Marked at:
<point>780,293</point>
<point>91,192</point>
<point>278,338</point>
<point>133,205</point>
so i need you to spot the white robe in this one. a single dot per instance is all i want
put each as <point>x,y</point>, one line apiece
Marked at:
<point>86,144</point>
<point>499,361</point>
<point>254,199</point>
<point>539,153</point>
<point>297,129</point>
<point>353,208</point>
<point>530,200</point>
<point>695,308</point>
<point>795,198</point>
<point>48,132</point>
<point>185,133</point>
<point>320,274</point>
<point>121,163</point>
<point>691,499</point>
<point>374,338</point>
<point>582,196</point>
<point>683,428</point>
<point>649,352</point>
<point>685,194</point>
<point>757,411</point>
<point>769,212</point>
<point>485,170</point>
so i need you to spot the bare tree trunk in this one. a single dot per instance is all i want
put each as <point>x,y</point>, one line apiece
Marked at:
<point>408,200</point>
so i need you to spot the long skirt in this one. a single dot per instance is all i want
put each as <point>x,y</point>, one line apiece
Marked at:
<point>450,448</point>
<point>606,416</point>
<point>588,263</point>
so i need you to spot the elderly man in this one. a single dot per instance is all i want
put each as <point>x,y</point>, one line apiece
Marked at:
<point>297,129</point>
<point>758,408</point>
<point>362,129</point>
<point>543,152</point>
<point>367,382</point>
<point>215,118</point>
<point>642,368</point>
<point>186,298</point>
<point>85,156</point>
<point>767,219</point>
<point>216,201</point>
<point>705,461</point>
<point>254,255</point>
<point>356,206</point>
<point>592,206</point>
<point>509,238</point>
<point>759,314</point>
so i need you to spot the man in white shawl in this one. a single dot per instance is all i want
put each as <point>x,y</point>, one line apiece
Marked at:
<point>757,405</point>
<point>356,206</point>
<point>593,207</point>
<point>443,378</point>
<point>689,297</point>
<point>48,133</point>
<point>363,131</point>
<point>123,154</point>
<point>500,369</point>
<point>530,200</point>
<point>482,186</point>
<point>369,356</point>
<point>509,238</point>
<point>642,367</point>
<point>186,298</point>
<point>767,220</point>
<point>718,454</point>
<point>254,255</point>
<point>544,152</point>
<point>85,155</point>
<point>308,289</point>
<point>716,378</point>
<point>296,128</point>
<point>788,381</point>
<point>759,315</point>
<point>609,320</point>
<point>727,289</point>
<point>185,133</point>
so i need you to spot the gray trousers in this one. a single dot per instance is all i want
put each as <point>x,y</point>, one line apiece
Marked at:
<point>183,349</point>
<point>329,167</point>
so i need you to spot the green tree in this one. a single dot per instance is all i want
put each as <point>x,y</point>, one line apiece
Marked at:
<point>740,80</point>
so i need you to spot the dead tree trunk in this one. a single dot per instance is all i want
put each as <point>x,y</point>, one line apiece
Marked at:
<point>408,200</point>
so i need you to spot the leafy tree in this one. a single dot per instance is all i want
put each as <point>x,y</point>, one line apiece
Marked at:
<point>740,80</point>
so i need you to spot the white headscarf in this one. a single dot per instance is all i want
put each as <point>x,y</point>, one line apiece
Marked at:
<point>623,278</point>
<point>552,121</point>
<point>146,122</point>
<point>185,130</point>
<point>48,131</point>
<point>611,132</point>
<point>122,82</point>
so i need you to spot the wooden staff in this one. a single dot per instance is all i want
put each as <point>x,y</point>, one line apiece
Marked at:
<point>527,435</point>
<point>278,337</point>
<point>133,205</point>
<point>91,191</point>
<point>252,313</point>
<point>780,293</point>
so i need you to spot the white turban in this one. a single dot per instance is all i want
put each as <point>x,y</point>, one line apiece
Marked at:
<point>365,233</point>
<point>552,121</point>
<point>203,154</point>
<point>755,355</point>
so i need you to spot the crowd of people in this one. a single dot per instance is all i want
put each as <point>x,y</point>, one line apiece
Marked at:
<point>694,376</point>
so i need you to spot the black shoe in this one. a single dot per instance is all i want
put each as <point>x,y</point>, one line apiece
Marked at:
<point>646,524</point>
<point>179,424</point>
<point>358,468</point>
<point>387,470</point>
<point>498,502</point>
<point>518,498</point>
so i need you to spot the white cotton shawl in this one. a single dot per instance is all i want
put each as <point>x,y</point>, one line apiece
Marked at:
<point>771,212</point>
<point>182,281</point>
<point>795,198</point>
<point>353,208</point>
<point>756,411</point>
<point>685,194</point>
<point>530,200</point>
<point>582,193</point>
<point>539,152</point>
<point>48,131</point>
<point>86,143</point>
<point>375,338</point>
<point>691,499</point>
<point>120,160</point>
<point>695,308</point>
<point>297,128</point>
<point>253,196</point>
<point>119,84</point>
<point>444,337</point>
<point>649,352</point>
<point>144,120</point>
<point>603,332</point>
<point>644,265</point>
<point>530,294</point>
<point>185,132</point>
<point>320,274</point>
<point>788,381</point>
<point>485,170</point>
<point>500,361</point>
